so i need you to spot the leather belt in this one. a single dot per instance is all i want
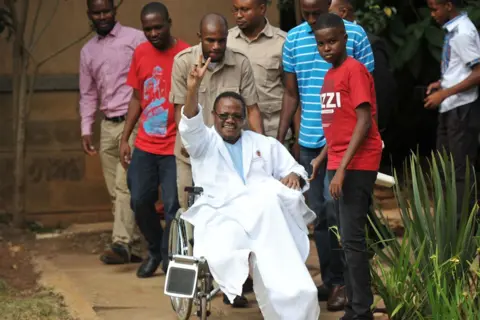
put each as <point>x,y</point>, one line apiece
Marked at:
<point>116,119</point>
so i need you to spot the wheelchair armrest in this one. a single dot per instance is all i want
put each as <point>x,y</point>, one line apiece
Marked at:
<point>194,190</point>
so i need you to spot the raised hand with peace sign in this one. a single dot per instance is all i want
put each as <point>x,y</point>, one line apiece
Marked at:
<point>197,73</point>
<point>194,80</point>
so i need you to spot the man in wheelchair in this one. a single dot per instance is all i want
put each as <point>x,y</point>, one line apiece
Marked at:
<point>252,215</point>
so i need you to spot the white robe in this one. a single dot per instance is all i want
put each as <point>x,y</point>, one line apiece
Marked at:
<point>262,220</point>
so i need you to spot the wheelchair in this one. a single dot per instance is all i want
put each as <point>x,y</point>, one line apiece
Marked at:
<point>188,281</point>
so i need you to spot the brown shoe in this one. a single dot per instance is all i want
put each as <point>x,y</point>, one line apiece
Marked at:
<point>111,257</point>
<point>118,254</point>
<point>337,299</point>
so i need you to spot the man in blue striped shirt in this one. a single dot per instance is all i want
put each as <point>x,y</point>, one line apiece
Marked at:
<point>304,70</point>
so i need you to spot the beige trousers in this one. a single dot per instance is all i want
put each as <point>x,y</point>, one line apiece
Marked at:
<point>184,179</point>
<point>125,229</point>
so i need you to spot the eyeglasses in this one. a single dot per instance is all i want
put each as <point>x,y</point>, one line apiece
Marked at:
<point>225,116</point>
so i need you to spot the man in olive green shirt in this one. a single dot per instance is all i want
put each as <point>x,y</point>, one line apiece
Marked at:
<point>262,43</point>
<point>229,70</point>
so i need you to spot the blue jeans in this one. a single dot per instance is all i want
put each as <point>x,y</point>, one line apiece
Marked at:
<point>146,172</point>
<point>319,200</point>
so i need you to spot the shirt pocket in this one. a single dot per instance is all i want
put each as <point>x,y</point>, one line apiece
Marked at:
<point>230,89</point>
<point>267,71</point>
<point>202,95</point>
<point>258,165</point>
<point>206,105</point>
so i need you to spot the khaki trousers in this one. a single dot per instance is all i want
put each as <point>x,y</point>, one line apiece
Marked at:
<point>125,230</point>
<point>184,179</point>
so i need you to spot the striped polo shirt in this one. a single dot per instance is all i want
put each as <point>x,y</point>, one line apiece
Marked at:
<point>300,56</point>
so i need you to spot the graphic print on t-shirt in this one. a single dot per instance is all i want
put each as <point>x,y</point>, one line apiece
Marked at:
<point>330,101</point>
<point>154,117</point>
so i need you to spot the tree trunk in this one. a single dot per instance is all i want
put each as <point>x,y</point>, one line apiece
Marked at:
<point>20,86</point>
<point>23,89</point>
<point>19,164</point>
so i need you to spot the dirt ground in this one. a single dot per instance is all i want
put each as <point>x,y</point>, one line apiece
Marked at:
<point>89,289</point>
<point>21,297</point>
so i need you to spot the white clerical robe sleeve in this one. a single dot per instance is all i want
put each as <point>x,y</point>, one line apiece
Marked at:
<point>284,163</point>
<point>194,133</point>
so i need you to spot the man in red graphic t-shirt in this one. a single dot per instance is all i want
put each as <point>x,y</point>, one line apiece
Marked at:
<point>354,151</point>
<point>152,163</point>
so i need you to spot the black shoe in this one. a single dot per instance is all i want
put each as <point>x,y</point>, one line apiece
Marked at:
<point>323,292</point>
<point>135,259</point>
<point>238,302</point>
<point>148,267</point>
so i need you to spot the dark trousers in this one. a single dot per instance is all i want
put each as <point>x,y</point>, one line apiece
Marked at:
<point>146,172</point>
<point>352,209</point>
<point>458,133</point>
<point>328,249</point>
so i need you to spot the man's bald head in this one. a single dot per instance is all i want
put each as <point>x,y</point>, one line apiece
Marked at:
<point>344,8</point>
<point>213,21</point>
<point>213,36</point>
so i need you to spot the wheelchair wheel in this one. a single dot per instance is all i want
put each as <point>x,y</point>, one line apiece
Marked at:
<point>179,243</point>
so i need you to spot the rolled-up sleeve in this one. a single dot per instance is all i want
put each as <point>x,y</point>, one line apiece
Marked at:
<point>179,81</point>
<point>88,95</point>
<point>467,46</point>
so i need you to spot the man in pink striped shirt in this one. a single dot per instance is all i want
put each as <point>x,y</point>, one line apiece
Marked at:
<point>104,65</point>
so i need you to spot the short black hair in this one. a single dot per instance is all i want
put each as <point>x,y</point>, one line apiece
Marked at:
<point>155,7</point>
<point>111,2</point>
<point>328,20</point>
<point>231,95</point>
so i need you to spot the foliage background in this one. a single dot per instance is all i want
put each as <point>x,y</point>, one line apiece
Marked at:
<point>414,43</point>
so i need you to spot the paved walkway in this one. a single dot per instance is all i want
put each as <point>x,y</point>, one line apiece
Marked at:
<point>115,293</point>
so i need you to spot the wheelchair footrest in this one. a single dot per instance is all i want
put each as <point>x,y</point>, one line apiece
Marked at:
<point>181,280</point>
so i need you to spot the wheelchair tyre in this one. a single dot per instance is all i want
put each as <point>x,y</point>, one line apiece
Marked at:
<point>178,243</point>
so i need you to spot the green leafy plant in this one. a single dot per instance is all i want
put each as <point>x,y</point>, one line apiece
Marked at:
<point>374,16</point>
<point>411,34</point>
<point>429,273</point>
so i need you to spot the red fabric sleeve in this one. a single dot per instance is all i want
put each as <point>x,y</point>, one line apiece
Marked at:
<point>132,78</point>
<point>360,84</point>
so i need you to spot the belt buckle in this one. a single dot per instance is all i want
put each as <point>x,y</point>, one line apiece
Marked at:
<point>116,119</point>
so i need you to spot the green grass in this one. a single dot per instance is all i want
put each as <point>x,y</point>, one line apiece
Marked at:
<point>40,304</point>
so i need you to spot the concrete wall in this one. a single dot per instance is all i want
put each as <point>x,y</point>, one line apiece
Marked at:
<point>63,185</point>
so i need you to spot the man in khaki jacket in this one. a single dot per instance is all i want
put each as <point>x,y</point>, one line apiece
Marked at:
<point>229,70</point>
<point>262,43</point>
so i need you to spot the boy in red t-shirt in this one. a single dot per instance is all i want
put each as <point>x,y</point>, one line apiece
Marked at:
<point>152,162</point>
<point>354,149</point>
